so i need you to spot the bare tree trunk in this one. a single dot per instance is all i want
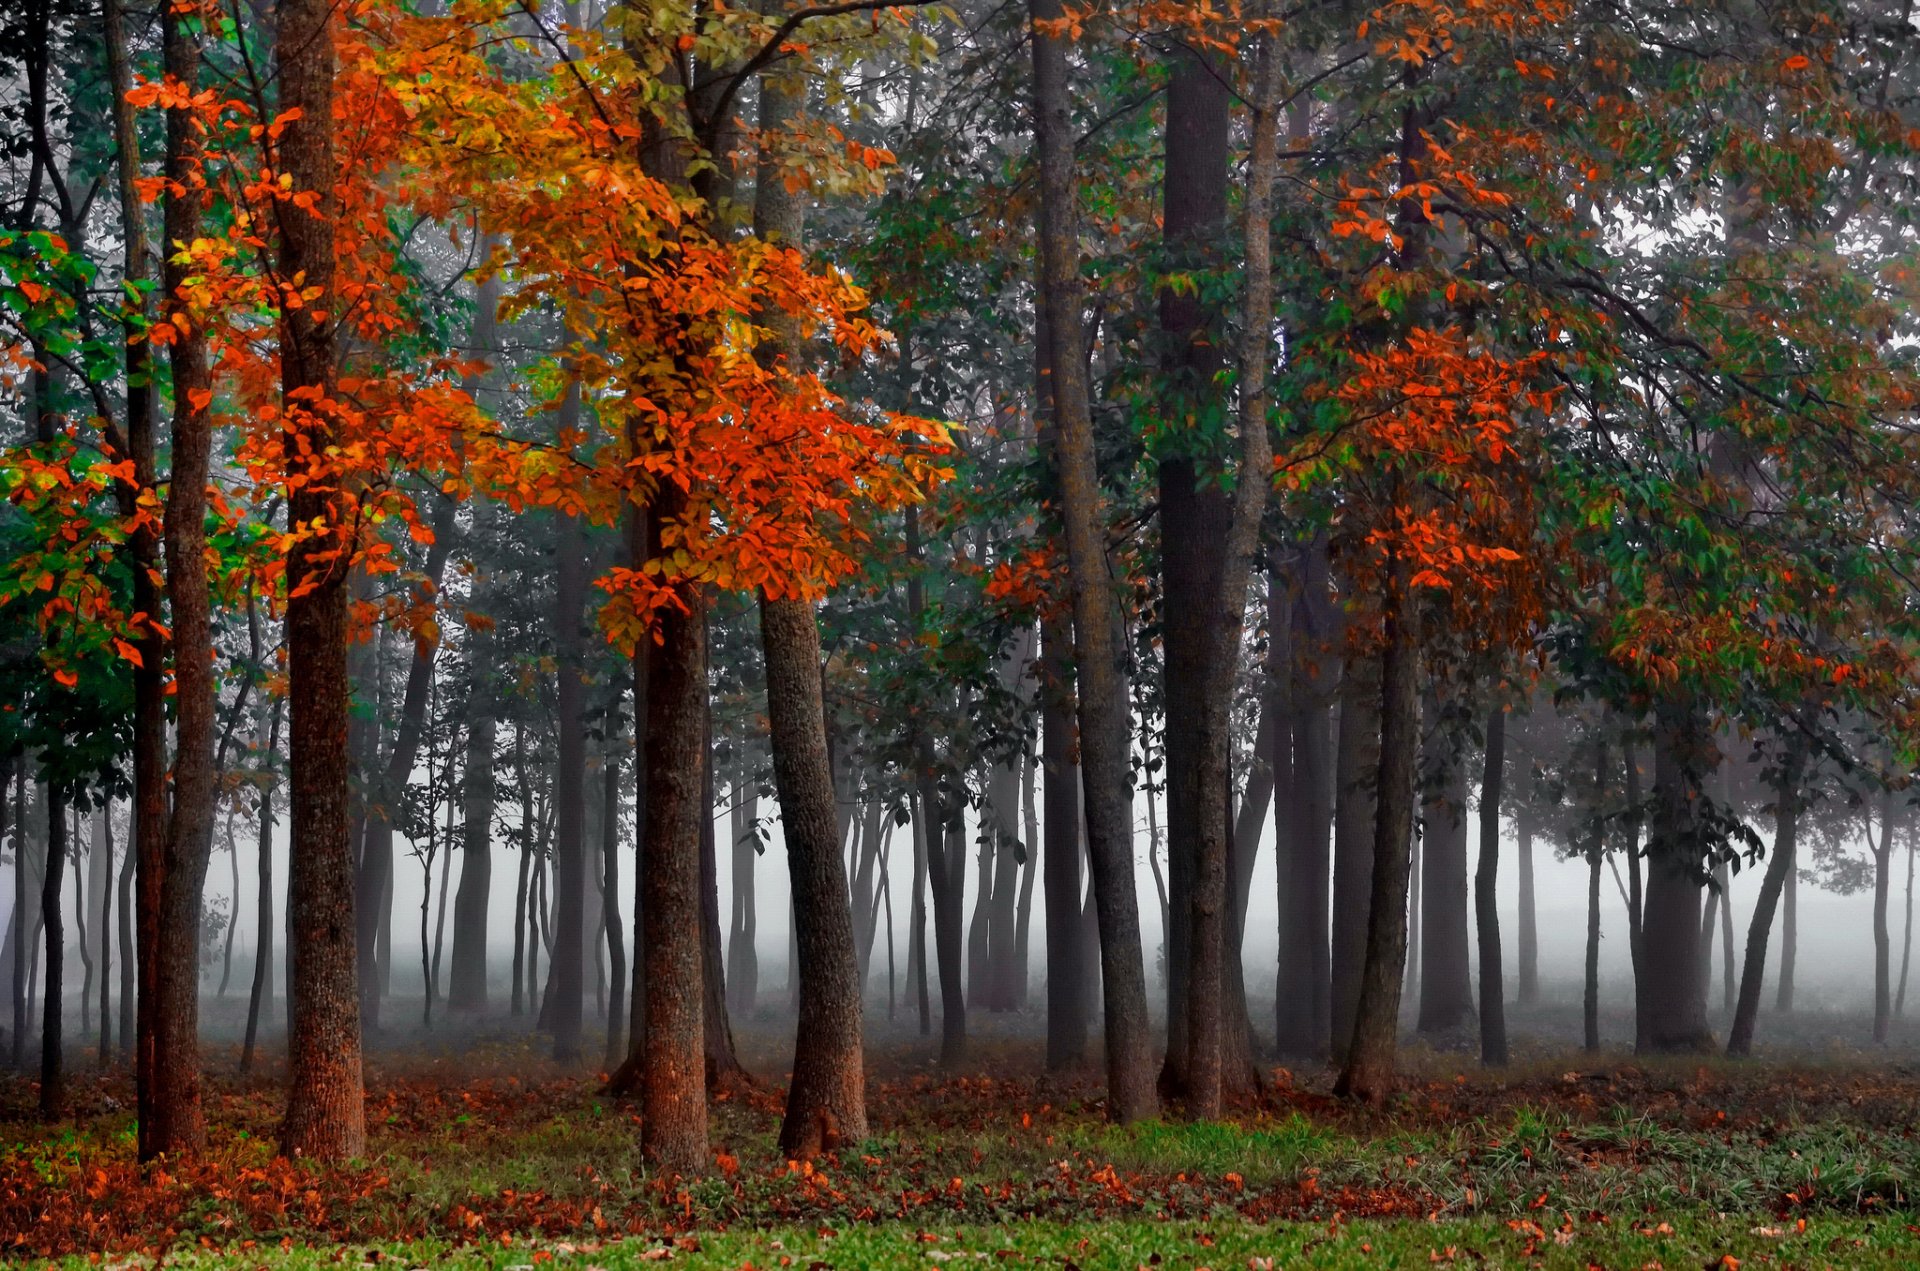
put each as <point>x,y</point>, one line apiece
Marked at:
<point>22,935</point>
<point>1789,943</point>
<point>1636,895</point>
<point>1780,867</point>
<point>568,966</point>
<point>129,962</point>
<point>1882,943</point>
<point>1103,708</point>
<point>674,1100</point>
<point>467,980</point>
<point>326,1116</point>
<point>1486,898</point>
<point>1446,983</point>
<point>521,917</point>
<point>1356,761</point>
<point>52,1069</point>
<point>917,922</point>
<point>1906,942</point>
<point>1671,945</point>
<point>260,997</point>
<point>105,830</point>
<point>743,919</point>
<point>1066,980</point>
<point>826,1101</point>
<point>1030,868</point>
<point>1368,1073</point>
<point>610,899</point>
<point>233,916</point>
<point>722,1061</point>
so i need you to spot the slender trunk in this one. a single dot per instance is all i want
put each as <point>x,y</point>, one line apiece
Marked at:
<point>326,1115</point>
<point>106,928</point>
<point>1486,898</point>
<point>942,878</point>
<point>1882,943</point>
<point>146,849</point>
<point>1099,654</point>
<point>826,1101</point>
<point>1780,866</point>
<point>467,980</point>
<point>260,998</point>
<point>446,876</point>
<point>674,1100</point>
<point>722,1062</point>
<point>1789,943</point>
<point>52,1072</point>
<point>1528,935</point>
<point>1356,760</point>
<point>80,927</point>
<point>172,1121</point>
<point>22,888</point>
<point>233,914</point>
<point>1636,894</point>
<point>1368,1073</point>
<point>1030,868</point>
<point>917,923</point>
<point>1728,987</point>
<point>610,892</point>
<point>1590,998</point>
<point>743,960</point>
<point>569,795</point>
<point>1906,942</point>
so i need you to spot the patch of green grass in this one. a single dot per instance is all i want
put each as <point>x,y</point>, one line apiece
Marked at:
<point>1705,1240</point>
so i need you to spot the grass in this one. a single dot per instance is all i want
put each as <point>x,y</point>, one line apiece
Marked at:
<point>496,1158</point>
<point>1697,1240</point>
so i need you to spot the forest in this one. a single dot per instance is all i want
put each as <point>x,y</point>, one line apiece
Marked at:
<point>1365,556</point>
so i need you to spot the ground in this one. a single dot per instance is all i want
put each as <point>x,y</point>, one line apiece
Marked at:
<point>483,1153</point>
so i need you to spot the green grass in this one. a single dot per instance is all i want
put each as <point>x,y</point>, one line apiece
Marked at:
<point>1696,1241</point>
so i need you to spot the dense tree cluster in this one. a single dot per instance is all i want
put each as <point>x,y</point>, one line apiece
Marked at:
<point>957,431</point>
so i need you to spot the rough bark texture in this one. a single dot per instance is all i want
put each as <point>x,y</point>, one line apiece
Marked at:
<point>1103,708</point>
<point>826,1101</point>
<point>1486,898</point>
<point>326,1114</point>
<point>674,1088</point>
<point>467,983</point>
<point>1368,1072</point>
<point>1780,865</point>
<point>1355,767</point>
<point>1304,1008</point>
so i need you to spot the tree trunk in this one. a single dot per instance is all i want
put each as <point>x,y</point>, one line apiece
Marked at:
<point>942,879</point>
<point>568,965</point>
<point>1446,981</point>
<point>743,919</point>
<point>172,1120</point>
<point>1670,941</point>
<point>1356,761</point>
<point>1368,1073</point>
<point>1528,935</point>
<point>1022,969</point>
<point>1068,1002</point>
<point>722,1062</point>
<point>1193,532</point>
<point>1590,998</point>
<point>467,982</point>
<point>826,1101</point>
<point>1906,942</point>
<point>1728,988</point>
<point>52,1071</point>
<point>610,899</point>
<point>22,935</point>
<point>260,996</point>
<point>1789,943</point>
<point>104,828</point>
<point>1882,943</point>
<point>1636,893</point>
<point>326,1115</point>
<point>1098,653</point>
<point>1486,898</point>
<point>146,849</point>
<point>1780,866</point>
<point>917,923</point>
<point>674,1101</point>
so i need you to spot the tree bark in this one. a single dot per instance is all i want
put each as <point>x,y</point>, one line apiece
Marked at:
<point>569,776</point>
<point>826,1100</point>
<point>1670,974</point>
<point>1103,709</point>
<point>1356,763</point>
<point>1882,941</point>
<point>1780,866</point>
<point>1194,518</point>
<point>1368,1073</point>
<point>467,982</point>
<point>1068,1003</point>
<point>1486,898</point>
<point>1446,983</point>
<point>674,1099</point>
<point>722,1062</point>
<point>52,1070</point>
<point>326,1115</point>
<point>260,996</point>
<point>743,919</point>
<point>610,893</point>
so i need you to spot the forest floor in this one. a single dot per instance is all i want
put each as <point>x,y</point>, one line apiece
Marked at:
<point>483,1152</point>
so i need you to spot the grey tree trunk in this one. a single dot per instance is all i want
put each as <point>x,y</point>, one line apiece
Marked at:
<point>1486,898</point>
<point>1780,866</point>
<point>1446,983</point>
<point>1356,762</point>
